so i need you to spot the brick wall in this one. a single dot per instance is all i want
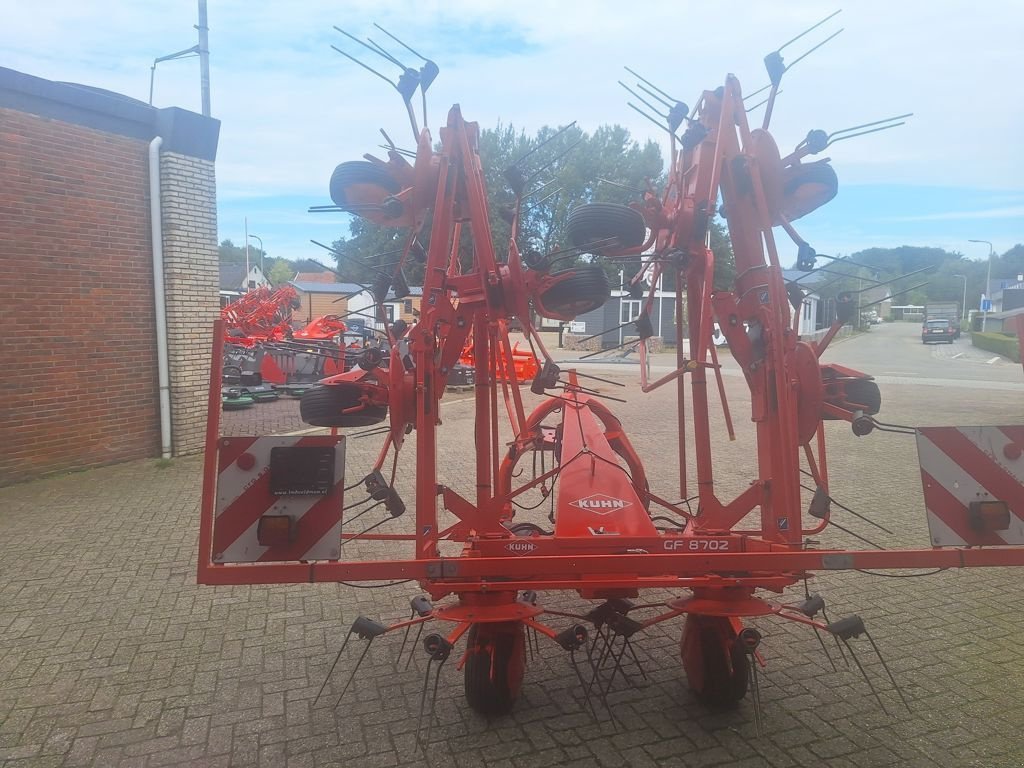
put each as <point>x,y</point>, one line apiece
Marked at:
<point>189,193</point>
<point>77,356</point>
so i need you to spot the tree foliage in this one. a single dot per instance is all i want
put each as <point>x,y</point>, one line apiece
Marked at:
<point>280,271</point>
<point>562,171</point>
<point>229,253</point>
<point>952,273</point>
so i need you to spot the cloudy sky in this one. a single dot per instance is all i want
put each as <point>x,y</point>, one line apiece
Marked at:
<point>291,108</point>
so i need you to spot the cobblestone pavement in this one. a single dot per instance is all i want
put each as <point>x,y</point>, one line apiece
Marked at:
<point>110,655</point>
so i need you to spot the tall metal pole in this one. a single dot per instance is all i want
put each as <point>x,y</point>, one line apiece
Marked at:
<point>988,279</point>
<point>246,254</point>
<point>622,299</point>
<point>204,57</point>
<point>262,253</point>
<point>963,306</point>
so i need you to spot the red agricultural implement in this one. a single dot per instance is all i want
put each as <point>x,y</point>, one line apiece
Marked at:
<point>262,314</point>
<point>520,361</point>
<point>274,510</point>
<point>262,348</point>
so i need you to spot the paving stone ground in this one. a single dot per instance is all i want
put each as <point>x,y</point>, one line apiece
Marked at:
<point>111,655</point>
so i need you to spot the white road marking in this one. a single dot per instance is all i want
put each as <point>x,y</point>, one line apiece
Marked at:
<point>989,362</point>
<point>958,354</point>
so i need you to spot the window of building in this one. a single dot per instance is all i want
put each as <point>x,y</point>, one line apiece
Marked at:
<point>629,310</point>
<point>408,306</point>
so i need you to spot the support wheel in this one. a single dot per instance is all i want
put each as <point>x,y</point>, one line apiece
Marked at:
<point>323,407</point>
<point>611,226</point>
<point>858,394</point>
<point>585,289</point>
<point>361,183</point>
<point>495,665</point>
<point>716,665</point>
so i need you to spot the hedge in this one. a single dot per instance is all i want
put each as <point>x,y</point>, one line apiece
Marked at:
<point>1000,343</point>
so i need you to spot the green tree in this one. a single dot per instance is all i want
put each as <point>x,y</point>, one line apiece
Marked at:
<point>560,174</point>
<point>369,250</point>
<point>725,260</point>
<point>229,253</point>
<point>281,271</point>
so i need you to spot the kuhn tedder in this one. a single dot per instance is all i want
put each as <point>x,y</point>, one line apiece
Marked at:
<point>262,348</point>
<point>273,508</point>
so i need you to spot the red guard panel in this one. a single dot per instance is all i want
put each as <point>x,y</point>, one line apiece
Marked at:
<point>593,498</point>
<point>964,465</point>
<point>244,495</point>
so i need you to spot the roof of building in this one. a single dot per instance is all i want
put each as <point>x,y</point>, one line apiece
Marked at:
<point>314,277</point>
<point>313,286</point>
<point>1008,313</point>
<point>231,276</point>
<point>183,132</point>
<point>308,286</point>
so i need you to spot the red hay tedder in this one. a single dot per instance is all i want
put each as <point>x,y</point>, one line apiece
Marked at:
<point>273,508</point>
<point>262,348</point>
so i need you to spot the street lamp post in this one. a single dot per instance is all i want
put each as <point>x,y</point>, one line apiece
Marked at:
<point>262,253</point>
<point>963,307</point>
<point>988,279</point>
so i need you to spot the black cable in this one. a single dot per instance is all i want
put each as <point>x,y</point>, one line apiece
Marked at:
<point>689,509</point>
<point>847,509</point>
<point>900,575</point>
<point>528,509</point>
<point>679,523</point>
<point>375,586</point>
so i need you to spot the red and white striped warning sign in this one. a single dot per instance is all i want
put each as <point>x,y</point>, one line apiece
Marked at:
<point>973,477</point>
<point>304,502</point>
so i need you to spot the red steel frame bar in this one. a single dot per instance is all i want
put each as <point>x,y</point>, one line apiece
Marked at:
<point>472,574</point>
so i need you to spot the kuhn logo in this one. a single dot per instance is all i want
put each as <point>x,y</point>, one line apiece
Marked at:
<point>520,547</point>
<point>601,504</point>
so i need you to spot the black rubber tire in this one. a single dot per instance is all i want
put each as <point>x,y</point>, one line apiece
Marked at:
<point>586,290</point>
<point>726,676</point>
<point>236,403</point>
<point>594,222</point>
<point>862,392</point>
<point>360,172</point>
<point>493,673</point>
<point>818,173</point>
<point>865,392</point>
<point>322,407</point>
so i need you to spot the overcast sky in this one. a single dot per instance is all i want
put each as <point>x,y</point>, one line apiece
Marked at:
<point>291,108</point>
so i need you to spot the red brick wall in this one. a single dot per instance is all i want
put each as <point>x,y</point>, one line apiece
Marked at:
<point>77,340</point>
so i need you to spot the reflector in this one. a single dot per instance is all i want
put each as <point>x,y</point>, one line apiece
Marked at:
<point>275,530</point>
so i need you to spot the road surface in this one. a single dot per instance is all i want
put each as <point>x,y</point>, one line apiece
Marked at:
<point>893,354</point>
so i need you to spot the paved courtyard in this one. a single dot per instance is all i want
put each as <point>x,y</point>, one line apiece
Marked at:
<point>111,655</point>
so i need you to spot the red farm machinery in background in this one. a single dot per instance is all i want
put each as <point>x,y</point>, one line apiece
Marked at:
<point>263,351</point>
<point>273,510</point>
